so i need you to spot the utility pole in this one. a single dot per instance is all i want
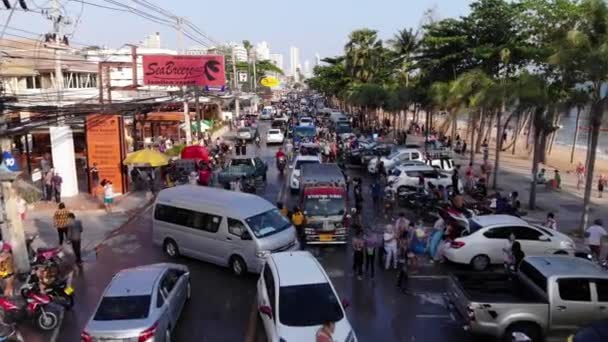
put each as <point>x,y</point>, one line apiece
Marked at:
<point>255,79</point>
<point>236,86</point>
<point>180,43</point>
<point>58,21</point>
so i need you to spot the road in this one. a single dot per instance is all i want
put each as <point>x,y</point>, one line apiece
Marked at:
<point>222,305</point>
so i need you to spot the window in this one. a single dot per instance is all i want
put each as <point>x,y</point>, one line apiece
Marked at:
<point>415,156</point>
<point>123,308</point>
<point>574,289</point>
<point>404,156</point>
<point>160,298</point>
<point>602,289</point>
<point>169,280</point>
<point>306,305</point>
<point>33,82</point>
<point>236,227</point>
<point>270,290</point>
<point>525,233</point>
<point>498,233</point>
<point>187,218</point>
<point>268,223</point>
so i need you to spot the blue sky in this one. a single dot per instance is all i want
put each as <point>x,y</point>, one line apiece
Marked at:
<point>312,25</point>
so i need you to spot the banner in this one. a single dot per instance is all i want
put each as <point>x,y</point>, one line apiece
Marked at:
<point>270,82</point>
<point>184,70</point>
<point>9,161</point>
<point>104,149</point>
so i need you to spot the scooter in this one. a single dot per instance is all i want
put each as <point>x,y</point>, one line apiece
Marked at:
<point>52,255</point>
<point>60,292</point>
<point>281,162</point>
<point>37,306</point>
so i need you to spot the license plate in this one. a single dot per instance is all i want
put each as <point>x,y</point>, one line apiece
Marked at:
<point>69,290</point>
<point>326,237</point>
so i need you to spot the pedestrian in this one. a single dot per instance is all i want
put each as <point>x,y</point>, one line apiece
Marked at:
<point>390,247</point>
<point>557,179</point>
<point>94,172</point>
<point>7,268</point>
<point>507,251</point>
<point>403,269</point>
<point>56,182</point>
<point>21,207</point>
<point>298,219</point>
<point>108,196</point>
<point>455,180</point>
<point>325,332</point>
<point>48,185</point>
<point>601,182</point>
<point>401,224</point>
<point>593,237</point>
<point>358,194</point>
<point>376,191</point>
<point>550,222</point>
<point>74,235</point>
<point>358,253</point>
<point>464,148</point>
<point>518,255</point>
<point>580,175</point>
<point>372,242</point>
<point>61,221</point>
<point>469,175</point>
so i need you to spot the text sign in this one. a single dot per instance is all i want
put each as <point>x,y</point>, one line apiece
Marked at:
<point>184,70</point>
<point>104,148</point>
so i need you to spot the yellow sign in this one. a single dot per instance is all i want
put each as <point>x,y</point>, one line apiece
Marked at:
<point>270,81</point>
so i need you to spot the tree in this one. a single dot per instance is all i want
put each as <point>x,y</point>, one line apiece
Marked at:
<point>364,55</point>
<point>578,99</point>
<point>403,46</point>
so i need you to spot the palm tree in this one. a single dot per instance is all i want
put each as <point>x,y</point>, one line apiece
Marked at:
<point>577,98</point>
<point>363,55</point>
<point>403,46</point>
<point>247,45</point>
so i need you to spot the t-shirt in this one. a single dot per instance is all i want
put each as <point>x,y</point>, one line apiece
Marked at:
<point>108,192</point>
<point>594,234</point>
<point>392,243</point>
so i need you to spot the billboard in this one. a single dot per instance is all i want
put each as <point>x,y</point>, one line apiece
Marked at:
<point>104,149</point>
<point>170,70</point>
<point>270,82</point>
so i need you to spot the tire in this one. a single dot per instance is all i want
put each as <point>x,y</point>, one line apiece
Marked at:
<point>47,320</point>
<point>480,262</point>
<point>532,330</point>
<point>170,248</point>
<point>237,265</point>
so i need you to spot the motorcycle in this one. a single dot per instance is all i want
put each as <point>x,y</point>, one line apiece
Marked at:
<point>281,163</point>
<point>46,256</point>
<point>60,292</point>
<point>36,306</point>
<point>257,141</point>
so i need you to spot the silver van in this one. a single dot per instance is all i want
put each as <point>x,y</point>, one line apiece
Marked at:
<point>223,227</point>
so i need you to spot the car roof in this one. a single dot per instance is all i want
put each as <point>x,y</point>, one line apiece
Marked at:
<point>307,157</point>
<point>298,268</point>
<point>402,149</point>
<point>421,167</point>
<point>492,220</point>
<point>136,281</point>
<point>214,200</point>
<point>565,265</point>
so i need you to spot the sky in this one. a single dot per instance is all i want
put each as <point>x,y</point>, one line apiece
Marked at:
<point>315,26</point>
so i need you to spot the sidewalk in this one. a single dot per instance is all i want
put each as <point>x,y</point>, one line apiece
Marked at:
<point>96,222</point>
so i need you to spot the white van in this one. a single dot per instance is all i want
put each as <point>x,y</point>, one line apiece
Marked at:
<point>223,227</point>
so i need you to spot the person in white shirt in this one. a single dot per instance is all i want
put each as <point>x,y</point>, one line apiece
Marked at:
<point>390,247</point>
<point>551,222</point>
<point>593,237</point>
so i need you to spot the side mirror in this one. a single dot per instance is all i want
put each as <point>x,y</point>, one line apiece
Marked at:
<point>544,238</point>
<point>266,310</point>
<point>345,303</point>
<point>246,236</point>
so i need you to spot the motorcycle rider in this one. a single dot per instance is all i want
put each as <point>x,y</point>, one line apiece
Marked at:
<point>280,154</point>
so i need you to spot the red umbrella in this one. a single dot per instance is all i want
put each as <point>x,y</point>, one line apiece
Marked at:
<point>195,152</point>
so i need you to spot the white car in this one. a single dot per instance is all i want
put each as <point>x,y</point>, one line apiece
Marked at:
<point>274,136</point>
<point>397,156</point>
<point>294,179</point>
<point>295,297</point>
<point>403,178</point>
<point>489,235</point>
<point>306,121</point>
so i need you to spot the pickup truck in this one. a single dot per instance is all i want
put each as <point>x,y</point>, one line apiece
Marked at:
<point>550,296</point>
<point>243,167</point>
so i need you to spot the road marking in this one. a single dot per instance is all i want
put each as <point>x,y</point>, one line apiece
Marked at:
<point>252,324</point>
<point>55,333</point>
<point>433,316</point>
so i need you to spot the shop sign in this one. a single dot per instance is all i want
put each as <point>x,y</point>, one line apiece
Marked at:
<point>104,148</point>
<point>168,70</point>
<point>270,82</point>
<point>9,161</point>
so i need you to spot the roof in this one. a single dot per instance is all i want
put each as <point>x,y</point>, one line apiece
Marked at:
<point>564,265</point>
<point>298,268</point>
<point>218,201</point>
<point>135,281</point>
<point>415,167</point>
<point>491,220</point>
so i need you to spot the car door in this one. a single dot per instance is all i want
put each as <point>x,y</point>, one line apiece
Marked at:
<point>493,242</point>
<point>181,287</point>
<point>267,291</point>
<point>168,290</point>
<point>237,245</point>
<point>572,305</point>
<point>601,305</point>
<point>529,238</point>
<point>260,166</point>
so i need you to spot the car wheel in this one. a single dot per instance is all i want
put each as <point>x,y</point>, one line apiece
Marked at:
<point>171,249</point>
<point>480,262</point>
<point>531,330</point>
<point>238,266</point>
<point>47,320</point>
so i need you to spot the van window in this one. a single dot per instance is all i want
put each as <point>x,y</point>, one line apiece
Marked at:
<point>187,218</point>
<point>236,227</point>
<point>574,289</point>
<point>267,223</point>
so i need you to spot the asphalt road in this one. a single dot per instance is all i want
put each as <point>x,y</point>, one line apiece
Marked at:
<point>222,305</point>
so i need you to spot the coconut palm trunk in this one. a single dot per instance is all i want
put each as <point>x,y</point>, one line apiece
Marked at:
<point>597,111</point>
<point>578,118</point>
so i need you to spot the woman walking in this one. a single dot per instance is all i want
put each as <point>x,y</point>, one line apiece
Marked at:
<point>390,247</point>
<point>358,246</point>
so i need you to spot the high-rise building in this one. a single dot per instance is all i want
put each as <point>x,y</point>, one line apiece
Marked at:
<point>277,59</point>
<point>262,51</point>
<point>294,59</point>
<point>317,59</point>
<point>307,72</point>
<point>240,53</point>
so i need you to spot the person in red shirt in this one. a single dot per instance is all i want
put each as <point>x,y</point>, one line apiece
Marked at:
<point>280,153</point>
<point>324,334</point>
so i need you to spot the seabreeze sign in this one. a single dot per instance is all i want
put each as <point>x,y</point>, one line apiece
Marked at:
<point>184,70</point>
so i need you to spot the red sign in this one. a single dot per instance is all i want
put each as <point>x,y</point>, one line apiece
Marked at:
<point>104,149</point>
<point>184,70</point>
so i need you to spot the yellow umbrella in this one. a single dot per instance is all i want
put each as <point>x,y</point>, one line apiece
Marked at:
<point>146,158</point>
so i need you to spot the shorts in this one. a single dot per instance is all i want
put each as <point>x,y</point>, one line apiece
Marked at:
<point>108,200</point>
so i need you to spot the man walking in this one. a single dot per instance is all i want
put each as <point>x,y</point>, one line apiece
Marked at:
<point>593,238</point>
<point>74,235</point>
<point>56,182</point>
<point>61,221</point>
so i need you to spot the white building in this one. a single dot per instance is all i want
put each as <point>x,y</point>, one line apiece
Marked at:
<point>151,41</point>
<point>240,52</point>
<point>317,59</point>
<point>277,60</point>
<point>262,51</point>
<point>307,72</point>
<point>294,59</point>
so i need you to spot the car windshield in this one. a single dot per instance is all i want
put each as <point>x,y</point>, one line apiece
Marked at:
<point>123,308</point>
<point>324,205</point>
<point>236,162</point>
<point>305,132</point>
<point>243,130</point>
<point>308,305</point>
<point>341,129</point>
<point>543,229</point>
<point>395,172</point>
<point>299,163</point>
<point>274,131</point>
<point>267,223</point>
<point>393,154</point>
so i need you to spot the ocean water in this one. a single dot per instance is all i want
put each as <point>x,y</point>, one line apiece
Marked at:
<point>565,134</point>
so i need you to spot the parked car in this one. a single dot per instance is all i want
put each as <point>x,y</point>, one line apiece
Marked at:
<point>442,163</point>
<point>306,121</point>
<point>274,136</point>
<point>223,227</point>
<point>257,163</point>
<point>246,133</point>
<point>488,235</point>
<point>295,297</point>
<point>549,297</point>
<point>398,155</point>
<point>298,161</point>
<point>140,304</point>
<point>406,178</point>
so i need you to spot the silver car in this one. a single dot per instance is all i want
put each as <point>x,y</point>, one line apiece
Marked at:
<point>140,304</point>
